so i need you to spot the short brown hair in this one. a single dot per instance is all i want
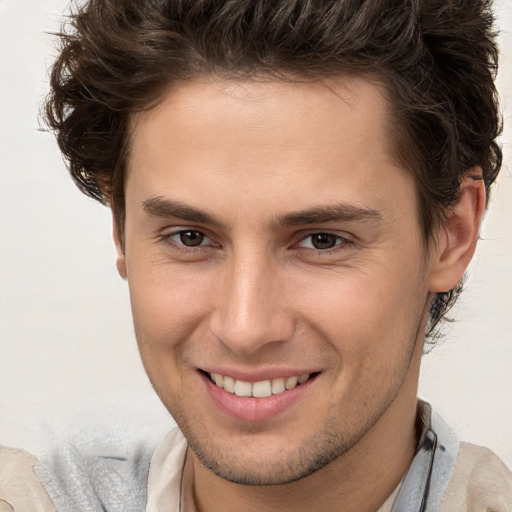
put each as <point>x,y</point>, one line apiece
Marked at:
<point>436,58</point>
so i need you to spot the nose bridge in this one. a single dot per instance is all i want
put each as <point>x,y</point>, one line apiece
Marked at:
<point>252,311</point>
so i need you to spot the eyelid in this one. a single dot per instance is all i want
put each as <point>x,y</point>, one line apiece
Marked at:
<point>168,235</point>
<point>310,232</point>
<point>176,232</point>
<point>343,240</point>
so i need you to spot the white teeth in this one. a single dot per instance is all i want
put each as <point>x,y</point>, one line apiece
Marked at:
<point>278,386</point>
<point>219,379</point>
<point>243,388</point>
<point>303,378</point>
<point>229,384</point>
<point>261,389</point>
<point>291,382</point>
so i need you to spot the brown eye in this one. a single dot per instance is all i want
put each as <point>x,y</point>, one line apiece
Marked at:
<point>191,238</point>
<point>324,240</point>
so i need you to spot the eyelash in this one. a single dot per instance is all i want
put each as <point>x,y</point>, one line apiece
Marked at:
<point>168,238</point>
<point>342,243</point>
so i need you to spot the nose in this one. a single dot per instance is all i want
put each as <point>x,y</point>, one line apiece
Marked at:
<point>252,310</point>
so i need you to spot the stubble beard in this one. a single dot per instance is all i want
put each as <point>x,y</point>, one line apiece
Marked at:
<point>314,453</point>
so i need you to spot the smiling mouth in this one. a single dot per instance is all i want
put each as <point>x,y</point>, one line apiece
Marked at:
<point>261,389</point>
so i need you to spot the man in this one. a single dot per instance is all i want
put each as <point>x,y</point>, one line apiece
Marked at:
<point>297,189</point>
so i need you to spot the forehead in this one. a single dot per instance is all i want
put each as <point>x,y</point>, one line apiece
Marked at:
<point>236,109</point>
<point>266,140</point>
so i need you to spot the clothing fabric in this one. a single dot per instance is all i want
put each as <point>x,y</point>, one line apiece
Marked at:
<point>444,476</point>
<point>20,489</point>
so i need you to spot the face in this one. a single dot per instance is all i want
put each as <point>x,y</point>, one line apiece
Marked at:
<point>277,273</point>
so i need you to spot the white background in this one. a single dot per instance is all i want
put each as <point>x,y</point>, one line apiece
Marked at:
<point>68,359</point>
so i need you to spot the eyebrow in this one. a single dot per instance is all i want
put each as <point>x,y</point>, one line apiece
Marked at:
<point>335,213</point>
<point>160,207</point>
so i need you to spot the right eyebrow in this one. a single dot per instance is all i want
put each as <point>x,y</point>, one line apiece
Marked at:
<point>166,208</point>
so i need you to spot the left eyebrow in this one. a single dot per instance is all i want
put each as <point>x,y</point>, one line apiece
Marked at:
<point>334,213</point>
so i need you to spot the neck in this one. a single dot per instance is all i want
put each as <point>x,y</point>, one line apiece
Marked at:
<point>360,480</point>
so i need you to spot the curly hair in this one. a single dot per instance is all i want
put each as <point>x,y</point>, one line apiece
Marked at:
<point>437,59</point>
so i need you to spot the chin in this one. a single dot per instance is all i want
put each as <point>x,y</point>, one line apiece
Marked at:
<point>271,465</point>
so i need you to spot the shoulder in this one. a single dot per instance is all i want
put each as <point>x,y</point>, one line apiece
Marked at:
<point>20,488</point>
<point>74,477</point>
<point>109,476</point>
<point>480,482</point>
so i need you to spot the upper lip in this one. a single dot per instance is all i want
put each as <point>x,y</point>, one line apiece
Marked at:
<point>257,375</point>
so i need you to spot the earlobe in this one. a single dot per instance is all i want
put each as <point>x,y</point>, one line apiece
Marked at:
<point>121,262</point>
<point>458,236</point>
<point>120,255</point>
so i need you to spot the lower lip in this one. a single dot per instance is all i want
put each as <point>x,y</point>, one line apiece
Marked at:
<point>255,409</point>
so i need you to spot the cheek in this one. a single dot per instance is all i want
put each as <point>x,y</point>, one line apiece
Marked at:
<point>168,308</point>
<point>368,314</point>
<point>167,303</point>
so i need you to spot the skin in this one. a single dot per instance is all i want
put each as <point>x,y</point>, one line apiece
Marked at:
<point>257,295</point>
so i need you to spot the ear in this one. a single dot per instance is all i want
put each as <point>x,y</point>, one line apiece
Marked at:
<point>120,257</point>
<point>457,238</point>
